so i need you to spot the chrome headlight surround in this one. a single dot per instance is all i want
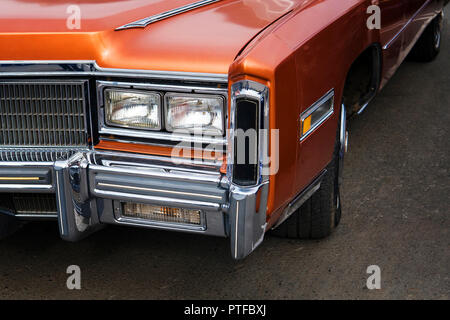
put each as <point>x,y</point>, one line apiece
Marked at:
<point>107,132</point>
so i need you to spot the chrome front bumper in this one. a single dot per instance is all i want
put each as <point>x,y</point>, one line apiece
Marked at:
<point>91,186</point>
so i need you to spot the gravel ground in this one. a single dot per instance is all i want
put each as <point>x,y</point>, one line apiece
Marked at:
<point>396,215</point>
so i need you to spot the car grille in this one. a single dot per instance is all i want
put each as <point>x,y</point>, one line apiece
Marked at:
<point>29,203</point>
<point>42,120</point>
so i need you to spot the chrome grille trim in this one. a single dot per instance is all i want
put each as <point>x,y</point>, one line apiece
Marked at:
<point>42,120</point>
<point>41,68</point>
<point>37,154</point>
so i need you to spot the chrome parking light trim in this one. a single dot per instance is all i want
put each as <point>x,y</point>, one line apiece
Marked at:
<point>167,225</point>
<point>212,221</point>
<point>158,17</point>
<point>316,105</point>
<point>161,225</point>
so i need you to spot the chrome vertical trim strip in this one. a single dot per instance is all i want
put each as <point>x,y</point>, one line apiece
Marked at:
<point>149,20</point>
<point>236,232</point>
<point>260,93</point>
<point>247,225</point>
<point>60,192</point>
<point>343,139</point>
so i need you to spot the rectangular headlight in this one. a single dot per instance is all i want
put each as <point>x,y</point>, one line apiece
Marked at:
<point>195,113</point>
<point>133,109</point>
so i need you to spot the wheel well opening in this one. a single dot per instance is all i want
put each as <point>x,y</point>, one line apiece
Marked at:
<point>363,80</point>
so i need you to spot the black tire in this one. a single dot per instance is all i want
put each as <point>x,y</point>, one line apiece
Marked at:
<point>428,46</point>
<point>320,214</point>
<point>8,225</point>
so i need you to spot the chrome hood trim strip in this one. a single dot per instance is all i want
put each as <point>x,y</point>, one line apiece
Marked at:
<point>67,68</point>
<point>149,20</point>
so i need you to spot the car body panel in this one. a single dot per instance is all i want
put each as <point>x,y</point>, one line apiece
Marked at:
<point>32,31</point>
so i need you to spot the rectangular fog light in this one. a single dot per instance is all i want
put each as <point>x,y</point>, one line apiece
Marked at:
<point>162,214</point>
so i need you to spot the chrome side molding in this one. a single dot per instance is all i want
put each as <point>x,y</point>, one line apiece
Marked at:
<point>343,140</point>
<point>158,17</point>
<point>406,25</point>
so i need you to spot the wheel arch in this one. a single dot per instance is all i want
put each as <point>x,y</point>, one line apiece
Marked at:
<point>363,79</point>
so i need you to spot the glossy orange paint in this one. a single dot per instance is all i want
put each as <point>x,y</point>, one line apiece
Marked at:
<point>160,150</point>
<point>197,41</point>
<point>311,51</point>
<point>300,49</point>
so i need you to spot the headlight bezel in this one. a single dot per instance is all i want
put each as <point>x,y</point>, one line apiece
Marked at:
<point>162,137</point>
<point>163,109</point>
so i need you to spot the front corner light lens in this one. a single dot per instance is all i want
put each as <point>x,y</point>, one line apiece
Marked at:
<point>133,109</point>
<point>317,114</point>
<point>195,113</point>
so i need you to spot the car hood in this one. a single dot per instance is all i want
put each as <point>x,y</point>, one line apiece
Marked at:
<point>206,39</point>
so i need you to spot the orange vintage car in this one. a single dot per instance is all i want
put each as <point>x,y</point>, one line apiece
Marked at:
<point>215,117</point>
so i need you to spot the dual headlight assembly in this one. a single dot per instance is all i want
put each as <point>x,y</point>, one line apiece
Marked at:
<point>190,113</point>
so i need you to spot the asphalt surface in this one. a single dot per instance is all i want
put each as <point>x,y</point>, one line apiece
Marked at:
<point>396,215</point>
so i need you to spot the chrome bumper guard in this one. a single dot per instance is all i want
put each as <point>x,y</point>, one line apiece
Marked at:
<point>91,186</point>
